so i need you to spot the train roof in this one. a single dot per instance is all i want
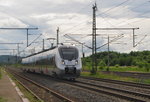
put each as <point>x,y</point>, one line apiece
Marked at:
<point>48,50</point>
<point>41,52</point>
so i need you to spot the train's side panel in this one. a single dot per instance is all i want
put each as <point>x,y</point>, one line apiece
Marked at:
<point>41,63</point>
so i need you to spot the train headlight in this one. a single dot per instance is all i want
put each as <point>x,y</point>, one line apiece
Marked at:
<point>63,62</point>
<point>76,62</point>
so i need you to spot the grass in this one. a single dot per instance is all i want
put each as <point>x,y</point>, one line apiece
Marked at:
<point>115,77</point>
<point>26,93</point>
<point>127,69</point>
<point>0,72</point>
<point>120,69</point>
<point>3,99</point>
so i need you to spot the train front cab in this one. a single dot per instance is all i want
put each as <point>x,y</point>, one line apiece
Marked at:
<point>69,73</point>
<point>70,62</point>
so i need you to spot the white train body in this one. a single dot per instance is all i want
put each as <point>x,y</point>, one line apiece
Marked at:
<point>62,61</point>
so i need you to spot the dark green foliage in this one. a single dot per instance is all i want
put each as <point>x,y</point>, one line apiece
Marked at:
<point>140,59</point>
<point>3,99</point>
<point>117,65</point>
<point>101,65</point>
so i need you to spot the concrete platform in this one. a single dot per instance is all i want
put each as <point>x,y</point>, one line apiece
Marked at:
<point>8,90</point>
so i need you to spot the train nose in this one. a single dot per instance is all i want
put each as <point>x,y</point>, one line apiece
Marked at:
<point>70,70</point>
<point>69,63</point>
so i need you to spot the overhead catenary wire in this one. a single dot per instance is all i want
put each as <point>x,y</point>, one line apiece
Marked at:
<point>133,18</point>
<point>80,28</point>
<point>120,23</point>
<point>103,12</point>
<point>115,39</point>
<point>140,40</point>
<point>67,36</point>
<point>73,27</point>
<point>113,8</point>
<point>31,43</point>
<point>73,18</point>
<point>123,12</point>
<point>82,8</point>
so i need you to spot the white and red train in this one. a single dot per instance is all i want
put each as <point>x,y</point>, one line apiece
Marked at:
<point>62,61</point>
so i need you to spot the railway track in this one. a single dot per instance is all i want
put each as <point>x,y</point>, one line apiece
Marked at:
<point>119,93</point>
<point>131,74</point>
<point>145,86</point>
<point>118,90</point>
<point>45,94</point>
<point>70,87</point>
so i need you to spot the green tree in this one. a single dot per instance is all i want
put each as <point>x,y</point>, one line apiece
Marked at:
<point>101,65</point>
<point>147,66</point>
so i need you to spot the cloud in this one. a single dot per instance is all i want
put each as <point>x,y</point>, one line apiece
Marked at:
<point>6,3</point>
<point>74,16</point>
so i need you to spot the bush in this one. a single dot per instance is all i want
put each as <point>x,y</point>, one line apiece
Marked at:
<point>140,64</point>
<point>147,67</point>
<point>0,74</point>
<point>89,66</point>
<point>3,100</point>
<point>117,65</point>
<point>101,65</point>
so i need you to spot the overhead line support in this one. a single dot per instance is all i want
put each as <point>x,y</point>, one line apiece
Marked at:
<point>94,57</point>
<point>133,29</point>
<point>27,29</point>
<point>57,36</point>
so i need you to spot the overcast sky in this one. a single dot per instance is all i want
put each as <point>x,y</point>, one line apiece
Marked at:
<point>75,17</point>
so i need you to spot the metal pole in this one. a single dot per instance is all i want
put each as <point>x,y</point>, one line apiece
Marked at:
<point>57,36</point>
<point>18,48</point>
<point>82,51</point>
<point>27,37</point>
<point>121,29</point>
<point>133,38</point>
<point>93,46</point>
<point>20,29</point>
<point>43,45</point>
<point>95,38</point>
<point>13,52</point>
<point>108,55</point>
<point>18,51</point>
<point>52,45</point>
<point>94,59</point>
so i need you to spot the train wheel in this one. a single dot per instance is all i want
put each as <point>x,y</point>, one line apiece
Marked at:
<point>42,72</point>
<point>24,70</point>
<point>54,75</point>
<point>33,71</point>
<point>72,79</point>
<point>28,70</point>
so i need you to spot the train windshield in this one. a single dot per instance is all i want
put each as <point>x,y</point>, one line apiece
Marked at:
<point>68,53</point>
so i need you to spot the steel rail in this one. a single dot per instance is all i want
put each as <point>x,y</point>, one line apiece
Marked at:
<point>119,90</point>
<point>85,86</point>
<point>107,92</point>
<point>56,94</point>
<point>145,86</point>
